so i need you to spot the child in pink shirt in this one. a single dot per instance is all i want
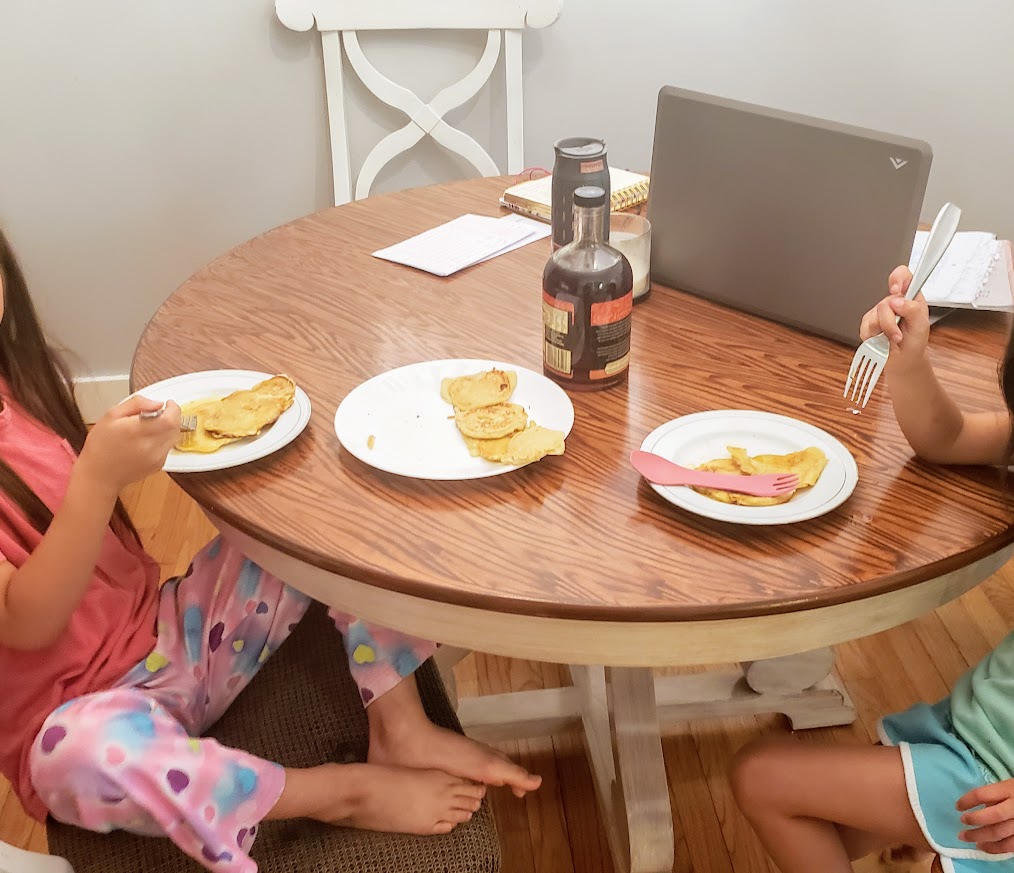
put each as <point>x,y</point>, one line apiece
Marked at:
<point>107,682</point>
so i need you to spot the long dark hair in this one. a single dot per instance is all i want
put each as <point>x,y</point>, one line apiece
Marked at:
<point>40,383</point>
<point>1006,371</point>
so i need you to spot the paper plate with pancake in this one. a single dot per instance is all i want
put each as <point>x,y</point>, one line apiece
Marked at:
<point>455,419</point>
<point>242,416</point>
<point>743,442</point>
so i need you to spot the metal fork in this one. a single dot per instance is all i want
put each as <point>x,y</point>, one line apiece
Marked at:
<point>871,357</point>
<point>188,423</point>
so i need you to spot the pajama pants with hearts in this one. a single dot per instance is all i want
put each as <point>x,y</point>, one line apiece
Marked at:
<point>131,757</point>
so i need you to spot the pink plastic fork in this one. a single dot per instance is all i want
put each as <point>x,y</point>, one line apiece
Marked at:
<point>660,471</point>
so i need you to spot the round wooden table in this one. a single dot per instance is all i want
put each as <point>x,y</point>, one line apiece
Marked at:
<point>574,559</point>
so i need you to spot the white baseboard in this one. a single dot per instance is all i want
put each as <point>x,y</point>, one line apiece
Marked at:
<point>98,394</point>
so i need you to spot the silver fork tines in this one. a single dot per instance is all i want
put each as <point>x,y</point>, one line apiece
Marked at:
<point>871,357</point>
<point>867,367</point>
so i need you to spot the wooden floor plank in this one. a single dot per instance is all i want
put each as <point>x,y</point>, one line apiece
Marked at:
<point>694,814</point>
<point>940,648</point>
<point>589,848</point>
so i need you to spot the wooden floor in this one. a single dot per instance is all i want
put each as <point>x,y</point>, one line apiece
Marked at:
<point>556,830</point>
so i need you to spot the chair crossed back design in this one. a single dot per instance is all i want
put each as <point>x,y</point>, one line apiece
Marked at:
<point>339,22</point>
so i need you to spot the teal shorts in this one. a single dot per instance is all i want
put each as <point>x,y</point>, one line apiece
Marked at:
<point>940,768</point>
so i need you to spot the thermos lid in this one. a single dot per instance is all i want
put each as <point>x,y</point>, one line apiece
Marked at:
<point>589,195</point>
<point>581,147</point>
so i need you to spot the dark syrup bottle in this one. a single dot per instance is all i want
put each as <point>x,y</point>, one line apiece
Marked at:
<point>586,304</point>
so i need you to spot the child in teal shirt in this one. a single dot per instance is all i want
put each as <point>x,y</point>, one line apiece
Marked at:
<point>942,780</point>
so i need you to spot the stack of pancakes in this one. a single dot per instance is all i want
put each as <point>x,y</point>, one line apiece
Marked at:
<point>491,426</point>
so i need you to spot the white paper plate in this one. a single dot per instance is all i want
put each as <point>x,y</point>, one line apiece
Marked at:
<point>694,439</point>
<point>218,383</point>
<point>412,432</point>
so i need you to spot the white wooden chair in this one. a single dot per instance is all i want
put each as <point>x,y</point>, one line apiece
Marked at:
<point>17,861</point>
<point>339,21</point>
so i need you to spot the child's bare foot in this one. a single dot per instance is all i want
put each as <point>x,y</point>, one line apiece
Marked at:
<point>401,734</point>
<point>376,797</point>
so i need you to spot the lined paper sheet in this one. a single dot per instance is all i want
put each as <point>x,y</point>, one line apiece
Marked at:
<point>460,243</point>
<point>537,230</point>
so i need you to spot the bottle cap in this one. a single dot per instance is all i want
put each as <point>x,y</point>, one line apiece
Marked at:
<point>589,195</point>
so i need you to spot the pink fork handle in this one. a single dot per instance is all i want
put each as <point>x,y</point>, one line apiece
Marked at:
<point>661,471</point>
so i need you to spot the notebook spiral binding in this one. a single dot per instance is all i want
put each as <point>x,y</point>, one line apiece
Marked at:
<point>982,290</point>
<point>631,196</point>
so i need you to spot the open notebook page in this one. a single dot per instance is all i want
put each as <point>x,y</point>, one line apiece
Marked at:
<point>963,270</point>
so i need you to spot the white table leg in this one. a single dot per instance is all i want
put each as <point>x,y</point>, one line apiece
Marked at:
<point>619,715</point>
<point>623,712</point>
<point>445,660</point>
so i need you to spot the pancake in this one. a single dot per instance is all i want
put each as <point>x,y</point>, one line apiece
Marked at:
<point>533,444</point>
<point>200,441</point>
<point>239,415</point>
<point>807,464</point>
<point>491,422</point>
<point>246,413</point>
<point>479,389</point>
<point>491,450</point>
<point>729,466</point>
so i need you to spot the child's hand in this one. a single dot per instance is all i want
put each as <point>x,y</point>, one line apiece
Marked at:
<point>123,448</point>
<point>910,336</point>
<point>992,827</point>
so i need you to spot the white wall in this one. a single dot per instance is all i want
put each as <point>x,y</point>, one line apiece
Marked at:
<point>139,140</point>
<point>938,70</point>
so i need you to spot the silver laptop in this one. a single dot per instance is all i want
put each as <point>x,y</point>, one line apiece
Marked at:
<point>792,218</point>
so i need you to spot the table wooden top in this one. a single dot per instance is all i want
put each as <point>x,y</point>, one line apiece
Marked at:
<point>580,536</point>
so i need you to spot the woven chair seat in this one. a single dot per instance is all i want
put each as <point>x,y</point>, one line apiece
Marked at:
<point>302,710</point>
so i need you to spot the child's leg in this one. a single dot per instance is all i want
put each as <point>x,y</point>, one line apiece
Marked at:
<point>216,628</point>
<point>814,806</point>
<point>119,760</point>
<point>220,624</point>
<point>383,663</point>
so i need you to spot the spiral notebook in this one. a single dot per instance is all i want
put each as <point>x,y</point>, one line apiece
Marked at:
<point>534,198</point>
<point>976,272</point>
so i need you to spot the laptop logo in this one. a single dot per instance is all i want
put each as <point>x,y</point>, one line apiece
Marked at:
<point>898,163</point>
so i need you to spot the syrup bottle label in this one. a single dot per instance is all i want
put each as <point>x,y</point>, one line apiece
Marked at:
<point>559,335</point>
<point>597,344</point>
<point>610,337</point>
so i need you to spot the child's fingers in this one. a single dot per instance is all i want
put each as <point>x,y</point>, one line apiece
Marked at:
<point>172,415</point>
<point>1002,847</point>
<point>888,322</point>
<point>870,325</point>
<point>997,833</point>
<point>134,406</point>
<point>908,309</point>
<point>990,815</point>
<point>997,792</point>
<point>899,280</point>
